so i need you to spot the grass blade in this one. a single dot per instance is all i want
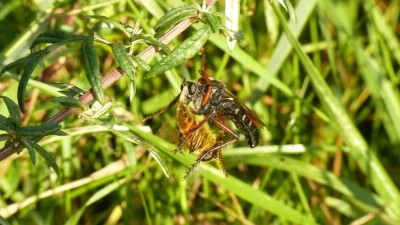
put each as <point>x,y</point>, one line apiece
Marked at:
<point>236,186</point>
<point>367,160</point>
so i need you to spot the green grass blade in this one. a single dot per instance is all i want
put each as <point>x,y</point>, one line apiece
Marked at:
<point>304,10</point>
<point>321,176</point>
<point>384,29</point>
<point>366,159</point>
<point>382,91</point>
<point>234,185</point>
<point>100,194</point>
<point>250,63</point>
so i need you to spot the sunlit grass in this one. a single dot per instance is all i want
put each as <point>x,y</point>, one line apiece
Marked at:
<point>328,92</point>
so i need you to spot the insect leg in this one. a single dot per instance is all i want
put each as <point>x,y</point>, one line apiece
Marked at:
<point>202,70</point>
<point>225,128</point>
<point>179,149</point>
<point>202,157</point>
<point>217,147</point>
<point>206,96</point>
<point>172,103</point>
<point>184,139</point>
<point>221,162</point>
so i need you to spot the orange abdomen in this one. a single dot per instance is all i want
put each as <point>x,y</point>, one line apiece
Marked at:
<point>202,139</point>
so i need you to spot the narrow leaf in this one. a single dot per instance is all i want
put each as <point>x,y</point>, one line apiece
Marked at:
<point>213,21</point>
<point>28,65</point>
<point>289,8</point>
<point>132,88</point>
<point>6,124</point>
<point>31,150</point>
<point>60,133</point>
<point>89,58</point>
<point>123,60</point>
<point>127,30</point>
<point>102,111</point>
<point>13,110</point>
<point>136,140</point>
<point>26,75</point>
<point>69,102</point>
<point>4,137</point>
<point>57,36</point>
<point>182,52</point>
<point>41,130</point>
<point>68,89</point>
<point>141,62</point>
<point>23,62</point>
<point>174,16</point>
<point>150,40</point>
<point>46,156</point>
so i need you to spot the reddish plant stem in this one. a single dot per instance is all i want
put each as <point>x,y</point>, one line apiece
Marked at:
<point>116,74</point>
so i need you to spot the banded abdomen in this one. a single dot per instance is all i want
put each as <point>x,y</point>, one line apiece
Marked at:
<point>242,120</point>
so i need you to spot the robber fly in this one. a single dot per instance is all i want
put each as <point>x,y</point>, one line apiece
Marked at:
<point>212,99</point>
<point>197,137</point>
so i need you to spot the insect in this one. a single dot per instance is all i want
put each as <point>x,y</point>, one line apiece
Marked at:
<point>212,99</point>
<point>209,97</point>
<point>197,137</point>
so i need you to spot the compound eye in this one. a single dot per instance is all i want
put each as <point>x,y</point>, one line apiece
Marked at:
<point>192,88</point>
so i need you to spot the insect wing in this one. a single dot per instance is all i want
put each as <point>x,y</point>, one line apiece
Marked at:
<point>252,116</point>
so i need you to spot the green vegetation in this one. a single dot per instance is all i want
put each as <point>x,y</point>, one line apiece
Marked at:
<point>326,83</point>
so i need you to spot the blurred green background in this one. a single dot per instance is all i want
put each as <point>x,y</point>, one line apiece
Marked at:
<point>329,92</point>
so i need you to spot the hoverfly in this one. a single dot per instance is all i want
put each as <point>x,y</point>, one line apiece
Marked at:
<point>195,136</point>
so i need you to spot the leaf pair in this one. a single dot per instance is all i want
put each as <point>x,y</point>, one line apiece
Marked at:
<point>29,63</point>
<point>17,136</point>
<point>192,45</point>
<point>182,52</point>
